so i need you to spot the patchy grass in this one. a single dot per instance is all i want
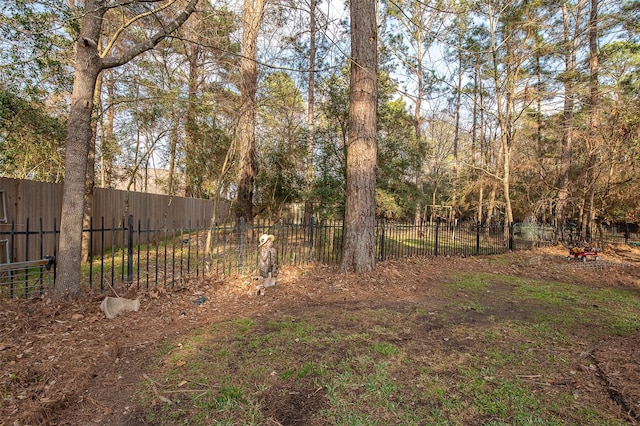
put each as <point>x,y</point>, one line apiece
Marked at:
<point>498,350</point>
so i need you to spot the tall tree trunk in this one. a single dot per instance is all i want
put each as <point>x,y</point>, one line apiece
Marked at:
<point>456,136</point>
<point>480,203</point>
<point>173,151</point>
<point>478,128</point>
<point>358,253</point>
<point>504,106</point>
<point>506,186</point>
<point>491,204</point>
<point>101,112</point>
<point>191,187</point>
<point>434,198</point>
<point>87,67</point>
<point>593,144</point>
<point>308,205</point>
<point>417,123</point>
<point>507,142</point>
<point>539,106</point>
<point>567,124</point>
<point>108,146</point>
<point>90,179</point>
<point>246,133</point>
<point>78,143</point>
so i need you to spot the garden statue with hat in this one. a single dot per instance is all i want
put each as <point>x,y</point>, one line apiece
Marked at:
<point>266,263</point>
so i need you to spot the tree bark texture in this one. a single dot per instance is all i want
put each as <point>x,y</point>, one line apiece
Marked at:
<point>246,133</point>
<point>79,137</point>
<point>593,145</point>
<point>191,125</point>
<point>308,206</point>
<point>87,67</point>
<point>504,106</point>
<point>417,123</point>
<point>90,179</point>
<point>562,197</point>
<point>359,224</point>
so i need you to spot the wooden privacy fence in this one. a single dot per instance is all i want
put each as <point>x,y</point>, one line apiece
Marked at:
<point>30,206</point>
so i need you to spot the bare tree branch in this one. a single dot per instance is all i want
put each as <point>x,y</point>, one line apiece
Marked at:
<point>127,24</point>
<point>151,42</point>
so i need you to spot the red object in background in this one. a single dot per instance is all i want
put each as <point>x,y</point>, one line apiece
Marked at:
<point>583,252</point>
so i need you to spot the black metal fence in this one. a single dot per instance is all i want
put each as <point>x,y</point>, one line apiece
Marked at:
<point>137,253</point>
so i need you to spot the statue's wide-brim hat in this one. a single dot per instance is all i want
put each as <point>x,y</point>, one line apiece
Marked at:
<point>264,238</point>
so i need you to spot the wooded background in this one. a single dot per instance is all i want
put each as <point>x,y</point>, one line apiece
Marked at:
<point>496,111</point>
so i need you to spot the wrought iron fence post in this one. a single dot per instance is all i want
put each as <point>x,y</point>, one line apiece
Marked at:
<point>435,238</point>
<point>55,248</point>
<point>477,238</point>
<point>90,254</point>
<point>26,257</point>
<point>27,233</point>
<point>130,248</point>
<point>11,258</point>
<point>12,243</point>
<point>42,256</point>
<point>511,232</point>
<point>311,229</point>
<point>240,236</point>
<point>382,235</point>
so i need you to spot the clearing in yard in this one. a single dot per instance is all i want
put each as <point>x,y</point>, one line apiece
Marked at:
<point>522,338</point>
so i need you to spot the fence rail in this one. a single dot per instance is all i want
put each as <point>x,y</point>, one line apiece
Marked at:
<point>137,253</point>
<point>19,278</point>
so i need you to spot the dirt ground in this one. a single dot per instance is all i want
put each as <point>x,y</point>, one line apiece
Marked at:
<point>64,363</point>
